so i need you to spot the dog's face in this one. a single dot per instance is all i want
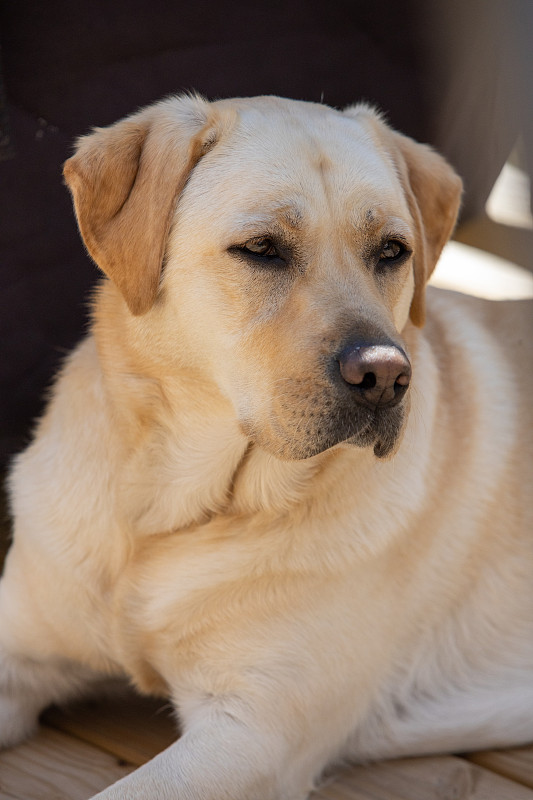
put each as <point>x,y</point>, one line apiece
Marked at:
<point>297,243</point>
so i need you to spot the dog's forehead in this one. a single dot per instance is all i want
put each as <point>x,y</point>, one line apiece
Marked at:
<point>287,141</point>
<point>300,160</point>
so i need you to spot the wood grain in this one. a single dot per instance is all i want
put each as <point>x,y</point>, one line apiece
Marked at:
<point>53,766</point>
<point>129,726</point>
<point>438,778</point>
<point>516,764</point>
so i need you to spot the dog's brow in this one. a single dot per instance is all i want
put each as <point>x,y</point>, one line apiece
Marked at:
<point>288,215</point>
<point>292,216</point>
<point>374,221</point>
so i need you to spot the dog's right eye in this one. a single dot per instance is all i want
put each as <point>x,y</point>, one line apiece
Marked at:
<point>261,247</point>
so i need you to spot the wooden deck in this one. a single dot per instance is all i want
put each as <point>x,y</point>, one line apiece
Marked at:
<point>82,749</point>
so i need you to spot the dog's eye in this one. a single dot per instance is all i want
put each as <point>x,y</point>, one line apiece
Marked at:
<point>392,251</point>
<point>261,247</point>
<point>261,252</point>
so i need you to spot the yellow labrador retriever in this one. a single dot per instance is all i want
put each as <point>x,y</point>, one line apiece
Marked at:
<point>263,487</point>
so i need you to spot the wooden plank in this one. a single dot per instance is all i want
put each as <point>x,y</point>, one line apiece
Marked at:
<point>516,764</point>
<point>434,778</point>
<point>52,766</point>
<point>129,726</point>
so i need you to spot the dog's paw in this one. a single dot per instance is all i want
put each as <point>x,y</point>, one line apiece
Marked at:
<point>17,721</point>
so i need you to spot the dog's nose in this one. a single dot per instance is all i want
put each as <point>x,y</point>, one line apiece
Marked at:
<point>380,373</point>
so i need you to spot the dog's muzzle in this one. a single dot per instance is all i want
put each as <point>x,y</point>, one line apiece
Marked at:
<point>357,400</point>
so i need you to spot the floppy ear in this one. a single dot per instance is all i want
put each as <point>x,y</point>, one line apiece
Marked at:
<point>125,180</point>
<point>433,191</point>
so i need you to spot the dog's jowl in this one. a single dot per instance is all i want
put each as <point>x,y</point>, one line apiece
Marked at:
<point>278,482</point>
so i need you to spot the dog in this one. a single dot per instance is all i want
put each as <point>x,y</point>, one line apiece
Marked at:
<point>276,482</point>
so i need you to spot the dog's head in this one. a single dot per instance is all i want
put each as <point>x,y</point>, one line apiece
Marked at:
<point>277,248</point>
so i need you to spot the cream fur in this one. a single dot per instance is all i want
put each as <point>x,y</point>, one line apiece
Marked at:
<point>297,610</point>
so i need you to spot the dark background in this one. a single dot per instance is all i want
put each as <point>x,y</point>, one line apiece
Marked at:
<point>453,73</point>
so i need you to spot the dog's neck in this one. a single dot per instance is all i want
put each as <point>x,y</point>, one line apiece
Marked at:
<point>196,463</point>
<point>185,458</point>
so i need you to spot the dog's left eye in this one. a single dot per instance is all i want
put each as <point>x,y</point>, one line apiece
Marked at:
<point>260,247</point>
<point>392,250</point>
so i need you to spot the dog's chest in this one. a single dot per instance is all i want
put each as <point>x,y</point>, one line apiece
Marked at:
<point>414,678</point>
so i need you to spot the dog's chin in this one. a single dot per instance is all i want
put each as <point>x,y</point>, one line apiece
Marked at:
<point>379,429</point>
<point>384,443</point>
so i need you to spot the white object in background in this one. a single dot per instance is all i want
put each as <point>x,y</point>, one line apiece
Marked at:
<point>467,269</point>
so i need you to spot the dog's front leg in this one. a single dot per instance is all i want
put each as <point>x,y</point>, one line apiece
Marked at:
<point>34,670</point>
<point>219,759</point>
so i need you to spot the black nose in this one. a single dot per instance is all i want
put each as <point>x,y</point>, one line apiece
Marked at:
<point>380,373</point>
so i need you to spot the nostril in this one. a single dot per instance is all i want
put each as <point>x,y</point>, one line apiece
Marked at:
<point>402,380</point>
<point>368,382</point>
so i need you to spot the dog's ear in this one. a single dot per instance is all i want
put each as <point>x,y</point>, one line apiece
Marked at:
<point>125,180</point>
<point>433,191</point>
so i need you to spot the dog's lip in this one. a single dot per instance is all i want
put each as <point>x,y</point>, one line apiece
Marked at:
<point>375,429</point>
